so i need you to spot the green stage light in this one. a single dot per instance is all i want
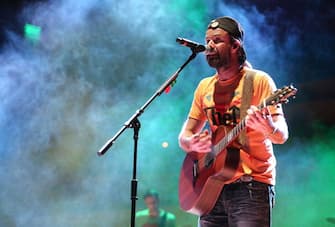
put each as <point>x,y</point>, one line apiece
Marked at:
<point>32,32</point>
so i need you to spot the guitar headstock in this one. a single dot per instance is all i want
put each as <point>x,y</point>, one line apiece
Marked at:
<point>281,95</point>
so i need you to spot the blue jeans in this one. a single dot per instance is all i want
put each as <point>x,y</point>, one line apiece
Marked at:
<point>241,204</point>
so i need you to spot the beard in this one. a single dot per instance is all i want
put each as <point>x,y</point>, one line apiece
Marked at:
<point>218,61</point>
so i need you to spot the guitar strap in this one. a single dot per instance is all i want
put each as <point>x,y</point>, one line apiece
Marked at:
<point>233,153</point>
<point>247,93</point>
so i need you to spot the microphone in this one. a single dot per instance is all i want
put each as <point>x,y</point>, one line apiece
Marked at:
<point>196,47</point>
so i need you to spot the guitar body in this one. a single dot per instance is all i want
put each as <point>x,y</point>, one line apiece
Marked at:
<point>200,183</point>
<point>198,196</point>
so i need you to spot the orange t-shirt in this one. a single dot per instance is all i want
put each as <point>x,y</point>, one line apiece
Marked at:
<point>259,158</point>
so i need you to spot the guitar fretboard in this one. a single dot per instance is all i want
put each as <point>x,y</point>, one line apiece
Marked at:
<point>226,140</point>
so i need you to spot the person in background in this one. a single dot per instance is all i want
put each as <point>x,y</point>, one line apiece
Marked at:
<point>153,215</point>
<point>247,194</point>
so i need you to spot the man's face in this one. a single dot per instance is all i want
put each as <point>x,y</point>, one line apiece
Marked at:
<point>220,42</point>
<point>152,203</point>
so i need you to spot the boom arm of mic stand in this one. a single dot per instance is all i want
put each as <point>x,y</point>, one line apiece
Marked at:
<point>128,123</point>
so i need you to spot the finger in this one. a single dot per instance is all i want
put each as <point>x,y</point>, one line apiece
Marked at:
<point>258,114</point>
<point>265,115</point>
<point>253,108</point>
<point>204,148</point>
<point>205,133</point>
<point>196,136</point>
<point>249,111</point>
<point>266,111</point>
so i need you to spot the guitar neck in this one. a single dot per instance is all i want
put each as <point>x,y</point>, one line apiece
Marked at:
<point>231,135</point>
<point>279,96</point>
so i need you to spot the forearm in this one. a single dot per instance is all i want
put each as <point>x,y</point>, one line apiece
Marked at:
<point>278,133</point>
<point>187,133</point>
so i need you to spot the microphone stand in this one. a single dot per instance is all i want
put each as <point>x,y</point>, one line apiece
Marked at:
<point>134,123</point>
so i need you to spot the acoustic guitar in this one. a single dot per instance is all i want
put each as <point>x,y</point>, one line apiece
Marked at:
<point>202,174</point>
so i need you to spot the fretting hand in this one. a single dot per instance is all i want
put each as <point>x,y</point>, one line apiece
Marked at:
<point>260,120</point>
